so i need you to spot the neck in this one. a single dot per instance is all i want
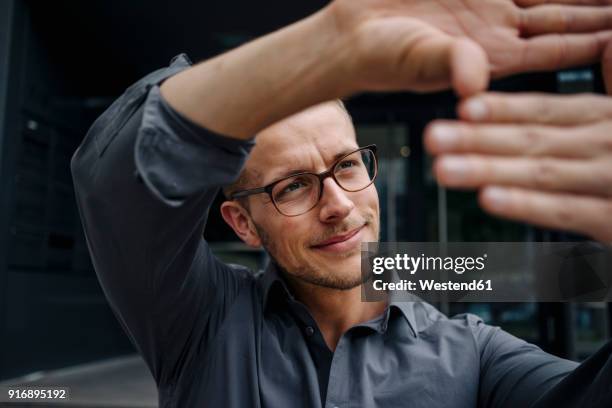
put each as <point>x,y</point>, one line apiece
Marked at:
<point>335,311</point>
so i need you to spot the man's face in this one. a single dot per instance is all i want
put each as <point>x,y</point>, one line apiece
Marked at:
<point>322,246</point>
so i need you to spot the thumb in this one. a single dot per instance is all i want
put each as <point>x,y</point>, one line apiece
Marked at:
<point>470,72</point>
<point>443,61</point>
<point>606,67</point>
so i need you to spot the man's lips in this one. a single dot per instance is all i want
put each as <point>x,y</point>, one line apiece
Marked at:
<point>336,241</point>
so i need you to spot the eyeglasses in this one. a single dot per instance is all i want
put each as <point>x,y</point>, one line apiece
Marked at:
<point>299,193</point>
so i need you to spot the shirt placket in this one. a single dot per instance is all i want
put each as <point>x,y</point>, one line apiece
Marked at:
<point>340,377</point>
<point>339,374</point>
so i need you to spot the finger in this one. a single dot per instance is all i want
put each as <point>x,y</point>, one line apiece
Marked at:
<point>533,108</point>
<point>564,19</point>
<point>444,137</point>
<point>473,171</point>
<point>531,3</point>
<point>557,51</point>
<point>469,68</point>
<point>606,67</point>
<point>584,215</point>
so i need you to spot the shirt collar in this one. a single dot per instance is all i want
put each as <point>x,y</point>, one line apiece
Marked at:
<point>407,309</point>
<point>272,282</point>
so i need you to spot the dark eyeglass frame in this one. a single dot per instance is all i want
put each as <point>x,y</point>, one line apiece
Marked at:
<point>321,176</point>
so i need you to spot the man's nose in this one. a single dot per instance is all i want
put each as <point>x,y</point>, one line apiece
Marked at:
<point>335,204</point>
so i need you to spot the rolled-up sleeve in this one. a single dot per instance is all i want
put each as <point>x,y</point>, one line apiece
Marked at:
<point>174,158</point>
<point>145,178</point>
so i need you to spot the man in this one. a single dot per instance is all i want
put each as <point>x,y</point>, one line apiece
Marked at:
<point>298,334</point>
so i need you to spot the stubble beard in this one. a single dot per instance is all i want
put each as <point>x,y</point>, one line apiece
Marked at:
<point>312,274</point>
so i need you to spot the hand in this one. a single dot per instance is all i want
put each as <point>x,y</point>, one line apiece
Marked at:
<point>353,46</point>
<point>425,45</point>
<point>541,159</point>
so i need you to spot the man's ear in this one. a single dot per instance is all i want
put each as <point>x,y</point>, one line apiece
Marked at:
<point>239,219</point>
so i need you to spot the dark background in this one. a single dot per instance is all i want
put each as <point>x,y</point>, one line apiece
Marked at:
<point>63,62</point>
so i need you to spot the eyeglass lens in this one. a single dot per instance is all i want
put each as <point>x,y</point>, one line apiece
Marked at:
<point>297,195</point>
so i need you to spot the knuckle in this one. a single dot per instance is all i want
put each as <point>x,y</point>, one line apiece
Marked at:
<point>523,21</point>
<point>566,215</point>
<point>603,230</point>
<point>497,106</point>
<point>546,112</point>
<point>560,50</point>
<point>604,134</point>
<point>567,22</point>
<point>603,177</point>
<point>486,170</point>
<point>533,140</point>
<point>546,174</point>
<point>563,51</point>
<point>471,137</point>
<point>513,15</point>
<point>608,215</point>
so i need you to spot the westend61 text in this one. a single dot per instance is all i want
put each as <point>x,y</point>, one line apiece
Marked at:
<point>429,285</point>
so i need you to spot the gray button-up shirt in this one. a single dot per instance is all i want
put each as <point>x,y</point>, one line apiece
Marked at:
<point>218,335</point>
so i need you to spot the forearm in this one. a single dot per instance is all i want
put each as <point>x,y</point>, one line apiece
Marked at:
<point>241,92</point>
<point>373,45</point>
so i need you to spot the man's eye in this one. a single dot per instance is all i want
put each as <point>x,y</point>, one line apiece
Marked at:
<point>293,186</point>
<point>348,164</point>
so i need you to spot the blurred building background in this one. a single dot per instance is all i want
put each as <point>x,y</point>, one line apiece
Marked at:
<point>63,62</point>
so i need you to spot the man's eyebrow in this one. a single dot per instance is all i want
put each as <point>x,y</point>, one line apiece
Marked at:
<point>293,172</point>
<point>344,153</point>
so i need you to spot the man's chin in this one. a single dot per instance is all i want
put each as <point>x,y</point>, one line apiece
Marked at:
<point>340,264</point>
<point>338,281</point>
<point>329,270</point>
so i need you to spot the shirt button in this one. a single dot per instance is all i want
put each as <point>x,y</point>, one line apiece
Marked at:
<point>309,331</point>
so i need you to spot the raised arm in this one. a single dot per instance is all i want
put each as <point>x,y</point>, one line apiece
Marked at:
<point>144,181</point>
<point>387,45</point>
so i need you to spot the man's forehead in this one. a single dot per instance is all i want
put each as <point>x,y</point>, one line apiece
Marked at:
<point>288,147</point>
<point>314,125</point>
<point>302,141</point>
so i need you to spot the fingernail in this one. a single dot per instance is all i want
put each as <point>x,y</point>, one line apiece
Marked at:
<point>454,168</point>
<point>476,109</point>
<point>496,197</point>
<point>445,137</point>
